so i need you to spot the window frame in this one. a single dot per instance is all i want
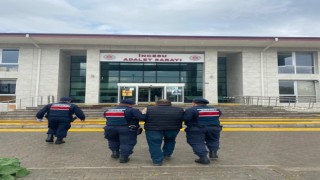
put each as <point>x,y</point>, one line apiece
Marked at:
<point>294,61</point>
<point>1,56</point>
<point>295,91</point>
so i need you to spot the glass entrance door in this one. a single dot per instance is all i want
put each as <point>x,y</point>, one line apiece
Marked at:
<point>127,92</point>
<point>156,94</point>
<point>175,93</point>
<point>151,92</point>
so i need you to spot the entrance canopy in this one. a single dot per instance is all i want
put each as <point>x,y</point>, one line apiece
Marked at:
<point>151,92</point>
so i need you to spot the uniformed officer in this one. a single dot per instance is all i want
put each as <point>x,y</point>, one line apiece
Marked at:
<point>121,129</point>
<point>203,129</point>
<point>60,116</point>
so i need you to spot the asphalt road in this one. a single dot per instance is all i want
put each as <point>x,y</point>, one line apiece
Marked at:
<point>243,156</point>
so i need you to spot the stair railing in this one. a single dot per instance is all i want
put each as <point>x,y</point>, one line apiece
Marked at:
<point>12,104</point>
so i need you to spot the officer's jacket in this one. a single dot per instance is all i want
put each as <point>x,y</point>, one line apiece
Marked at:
<point>61,110</point>
<point>123,115</point>
<point>202,115</point>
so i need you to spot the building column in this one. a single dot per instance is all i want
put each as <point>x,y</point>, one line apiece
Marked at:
<point>92,76</point>
<point>210,89</point>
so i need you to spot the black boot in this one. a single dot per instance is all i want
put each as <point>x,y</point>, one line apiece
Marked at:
<point>49,138</point>
<point>60,141</point>
<point>203,160</point>
<point>124,159</point>
<point>213,155</point>
<point>115,154</point>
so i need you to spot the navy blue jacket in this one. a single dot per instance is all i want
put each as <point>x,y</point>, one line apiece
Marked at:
<point>61,110</point>
<point>123,115</point>
<point>202,115</point>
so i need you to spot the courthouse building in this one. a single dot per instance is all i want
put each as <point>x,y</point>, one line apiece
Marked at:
<point>96,69</point>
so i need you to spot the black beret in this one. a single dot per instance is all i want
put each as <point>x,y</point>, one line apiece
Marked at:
<point>200,101</point>
<point>127,101</point>
<point>65,99</point>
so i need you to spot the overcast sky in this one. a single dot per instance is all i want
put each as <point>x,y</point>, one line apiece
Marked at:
<point>163,17</point>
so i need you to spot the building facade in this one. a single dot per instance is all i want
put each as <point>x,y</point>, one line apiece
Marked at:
<point>95,69</point>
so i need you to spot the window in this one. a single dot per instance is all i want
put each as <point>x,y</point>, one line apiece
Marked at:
<point>300,91</point>
<point>296,62</point>
<point>78,79</point>
<point>7,90</point>
<point>9,59</point>
<point>112,73</point>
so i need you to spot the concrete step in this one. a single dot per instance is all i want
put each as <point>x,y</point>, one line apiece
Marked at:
<point>233,111</point>
<point>226,122</point>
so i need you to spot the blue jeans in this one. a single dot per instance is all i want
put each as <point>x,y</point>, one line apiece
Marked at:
<point>155,139</point>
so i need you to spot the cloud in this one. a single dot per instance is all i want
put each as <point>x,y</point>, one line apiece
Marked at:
<point>166,17</point>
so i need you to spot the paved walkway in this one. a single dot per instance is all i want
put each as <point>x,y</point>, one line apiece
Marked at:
<point>243,156</point>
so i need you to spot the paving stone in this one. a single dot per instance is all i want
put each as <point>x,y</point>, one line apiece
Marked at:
<point>243,156</point>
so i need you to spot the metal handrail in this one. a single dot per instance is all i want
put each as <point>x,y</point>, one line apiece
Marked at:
<point>292,102</point>
<point>30,102</point>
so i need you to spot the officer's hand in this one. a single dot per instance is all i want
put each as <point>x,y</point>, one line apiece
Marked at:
<point>39,120</point>
<point>144,111</point>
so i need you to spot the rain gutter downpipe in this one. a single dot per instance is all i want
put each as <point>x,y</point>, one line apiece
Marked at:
<point>261,64</point>
<point>38,68</point>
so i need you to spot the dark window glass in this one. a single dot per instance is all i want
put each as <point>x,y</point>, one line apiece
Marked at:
<point>131,79</point>
<point>75,65</point>
<point>168,73</point>
<point>222,79</point>
<point>7,86</point>
<point>150,79</point>
<point>167,79</point>
<point>149,66</point>
<point>286,87</point>
<point>78,79</point>
<point>108,95</point>
<point>76,72</point>
<point>131,66</point>
<point>167,67</point>
<point>304,59</point>
<point>113,73</point>
<point>191,67</point>
<point>131,73</point>
<point>149,73</point>
<point>193,90</point>
<point>108,86</point>
<point>285,59</point>
<point>10,55</point>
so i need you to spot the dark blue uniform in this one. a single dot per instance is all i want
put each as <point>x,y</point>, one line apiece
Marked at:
<point>203,129</point>
<point>59,117</point>
<point>121,130</point>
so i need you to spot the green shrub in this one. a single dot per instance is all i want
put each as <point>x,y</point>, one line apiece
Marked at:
<point>10,169</point>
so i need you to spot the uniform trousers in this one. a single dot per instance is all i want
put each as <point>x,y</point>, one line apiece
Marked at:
<point>203,138</point>
<point>121,139</point>
<point>59,127</point>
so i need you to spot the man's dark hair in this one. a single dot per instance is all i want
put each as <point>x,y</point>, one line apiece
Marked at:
<point>164,102</point>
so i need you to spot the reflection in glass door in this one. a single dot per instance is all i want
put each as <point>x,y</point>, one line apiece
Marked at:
<point>127,93</point>
<point>143,94</point>
<point>175,94</point>
<point>150,94</point>
<point>156,94</point>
